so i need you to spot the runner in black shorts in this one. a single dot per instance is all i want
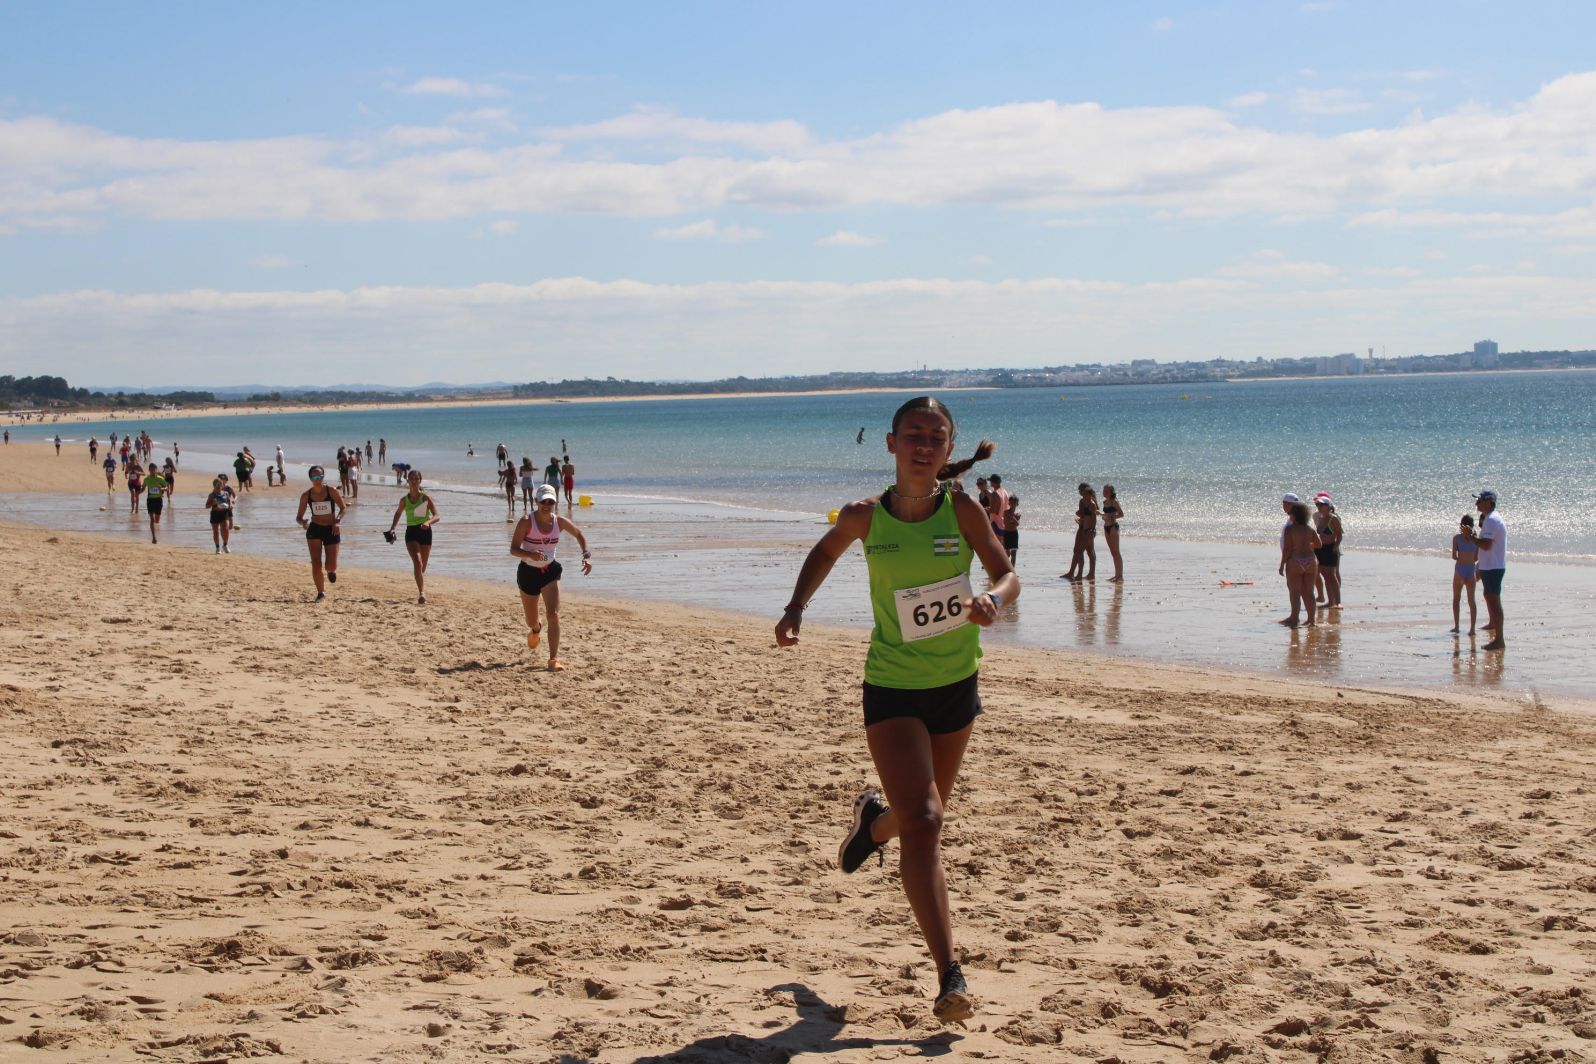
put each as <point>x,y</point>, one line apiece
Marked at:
<point>420,514</point>
<point>326,508</point>
<point>534,541</point>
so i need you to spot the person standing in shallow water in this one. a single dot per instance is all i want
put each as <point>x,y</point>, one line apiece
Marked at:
<point>1492,540</point>
<point>921,693</point>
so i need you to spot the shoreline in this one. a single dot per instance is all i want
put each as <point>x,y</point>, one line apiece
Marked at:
<point>78,417</point>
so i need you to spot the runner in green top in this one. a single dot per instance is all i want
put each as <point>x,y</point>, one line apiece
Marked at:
<point>154,496</point>
<point>920,689</point>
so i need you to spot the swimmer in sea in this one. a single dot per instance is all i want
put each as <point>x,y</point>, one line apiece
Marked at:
<point>535,541</point>
<point>420,514</point>
<point>921,693</point>
<point>326,508</point>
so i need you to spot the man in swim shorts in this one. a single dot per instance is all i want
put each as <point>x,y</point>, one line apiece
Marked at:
<point>1492,541</point>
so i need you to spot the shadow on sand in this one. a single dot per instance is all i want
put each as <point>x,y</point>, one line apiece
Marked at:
<point>816,1030</point>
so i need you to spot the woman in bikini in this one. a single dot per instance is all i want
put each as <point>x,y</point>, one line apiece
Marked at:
<point>1327,523</point>
<point>1465,569</point>
<point>1113,513</point>
<point>535,541</point>
<point>1299,565</point>
<point>420,514</point>
<point>529,484</point>
<point>920,691</point>
<point>326,508</point>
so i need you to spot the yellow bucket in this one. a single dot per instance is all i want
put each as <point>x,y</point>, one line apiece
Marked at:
<point>831,518</point>
<point>584,500</point>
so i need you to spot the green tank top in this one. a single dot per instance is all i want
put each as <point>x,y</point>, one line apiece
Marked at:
<point>906,561</point>
<point>418,510</point>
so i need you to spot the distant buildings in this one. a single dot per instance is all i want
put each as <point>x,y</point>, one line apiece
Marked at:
<point>1486,355</point>
<point>1339,365</point>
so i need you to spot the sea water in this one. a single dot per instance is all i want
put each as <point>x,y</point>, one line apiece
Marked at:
<point>715,501</point>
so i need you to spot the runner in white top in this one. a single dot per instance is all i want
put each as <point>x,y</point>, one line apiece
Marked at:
<point>536,541</point>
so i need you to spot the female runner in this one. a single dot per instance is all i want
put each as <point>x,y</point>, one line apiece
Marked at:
<point>920,677</point>
<point>420,514</point>
<point>535,540</point>
<point>326,508</point>
<point>220,503</point>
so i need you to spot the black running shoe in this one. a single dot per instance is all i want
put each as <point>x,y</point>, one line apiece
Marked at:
<point>332,576</point>
<point>953,1004</point>
<point>857,847</point>
<point>321,596</point>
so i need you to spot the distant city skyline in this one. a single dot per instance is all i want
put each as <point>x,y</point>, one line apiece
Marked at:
<point>513,192</point>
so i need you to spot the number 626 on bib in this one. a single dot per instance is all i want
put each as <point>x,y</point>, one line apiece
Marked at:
<point>931,609</point>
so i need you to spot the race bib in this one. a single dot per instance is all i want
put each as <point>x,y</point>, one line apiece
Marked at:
<point>932,609</point>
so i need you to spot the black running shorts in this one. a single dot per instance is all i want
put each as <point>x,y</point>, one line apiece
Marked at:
<point>943,710</point>
<point>154,505</point>
<point>531,580</point>
<point>326,533</point>
<point>421,534</point>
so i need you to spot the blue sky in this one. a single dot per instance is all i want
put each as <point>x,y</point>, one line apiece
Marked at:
<point>401,192</point>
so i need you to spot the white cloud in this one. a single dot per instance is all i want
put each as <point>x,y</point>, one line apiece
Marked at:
<point>272,262</point>
<point>630,328</point>
<point>709,230</point>
<point>847,238</point>
<point>1573,224</point>
<point>497,118</point>
<point>504,227</point>
<point>1047,156</point>
<point>421,136</point>
<point>1401,272</point>
<point>435,86</point>
<point>1249,99</point>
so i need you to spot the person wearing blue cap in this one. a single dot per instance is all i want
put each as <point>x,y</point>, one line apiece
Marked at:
<point>1492,541</point>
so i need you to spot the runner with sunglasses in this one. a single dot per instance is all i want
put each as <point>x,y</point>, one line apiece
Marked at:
<point>535,540</point>
<point>326,508</point>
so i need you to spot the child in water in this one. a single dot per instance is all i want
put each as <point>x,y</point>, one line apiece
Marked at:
<point>1465,569</point>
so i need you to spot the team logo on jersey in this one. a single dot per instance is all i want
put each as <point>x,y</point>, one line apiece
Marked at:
<point>941,545</point>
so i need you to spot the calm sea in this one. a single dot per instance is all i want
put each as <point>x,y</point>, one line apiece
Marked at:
<point>716,500</point>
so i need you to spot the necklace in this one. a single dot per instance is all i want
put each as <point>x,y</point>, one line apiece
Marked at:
<point>900,495</point>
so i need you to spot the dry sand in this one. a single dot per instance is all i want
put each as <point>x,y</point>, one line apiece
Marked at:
<point>234,824</point>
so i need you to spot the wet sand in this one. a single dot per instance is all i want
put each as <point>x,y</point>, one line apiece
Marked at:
<point>236,824</point>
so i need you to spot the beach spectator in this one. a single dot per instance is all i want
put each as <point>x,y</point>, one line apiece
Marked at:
<point>1327,523</point>
<point>982,494</point>
<point>529,483</point>
<point>1113,513</point>
<point>354,472</point>
<point>177,454</point>
<point>1465,570</point>
<point>8,438</point>
<point>243,467</point>
<point>420,514</point>
<point>271,476</point>
<point>326,508</point>
<point>859,438</point>
<point>368,450</point>
<point>343,469</point>
<point>997,503</point>
<point>501,454</point>
<point>551,473</point>
<point>400,470</point>
<point>1493,565</point>
<point>1085,550</point>
<point>58,443</point>
<point>220,503</point>
<point>1299,565</point>
<point>1011,529</point>
<point>280,475</point>
<point>921,676</point>
<point>471,450</point>
<point>536,541</point>
<point>154,497</point>
<point>382,451</point>
<point>568,479</point>
<point>94,451</point>
<point>507,485</point>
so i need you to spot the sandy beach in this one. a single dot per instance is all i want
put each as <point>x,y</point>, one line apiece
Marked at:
<point>237,825</point>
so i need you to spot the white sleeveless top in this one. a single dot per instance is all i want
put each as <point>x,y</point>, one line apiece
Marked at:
<point>543,543</point>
